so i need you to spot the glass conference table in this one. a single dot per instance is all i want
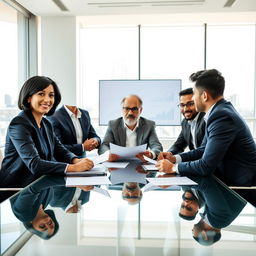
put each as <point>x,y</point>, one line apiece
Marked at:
<point>110,220</point>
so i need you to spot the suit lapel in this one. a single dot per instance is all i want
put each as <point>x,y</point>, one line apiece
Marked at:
<point>50,141</point>
<point>122,134</point>
<point>140,132</point>
<point>84,125</point>
<point>68,122</point>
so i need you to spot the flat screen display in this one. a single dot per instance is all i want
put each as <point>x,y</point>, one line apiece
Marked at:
<point>160,99</point>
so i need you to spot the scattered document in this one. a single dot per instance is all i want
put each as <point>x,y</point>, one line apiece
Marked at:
<point>127,152</point>
<point>150,160</point>
<point>98,170</point>
<point>101,191</point>
<point>149,167</point>
<point>118,165</point>
<point>83,181</point>
<point>100,158</point>
<point>171,181</point>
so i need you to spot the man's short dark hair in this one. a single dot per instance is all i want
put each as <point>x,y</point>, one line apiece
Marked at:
<point>34,85</point>
<point>209,80</point>
<point>187,91</point>
<point>213,237</point>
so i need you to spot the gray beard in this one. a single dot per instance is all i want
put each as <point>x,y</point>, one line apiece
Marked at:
<point>130,122</point>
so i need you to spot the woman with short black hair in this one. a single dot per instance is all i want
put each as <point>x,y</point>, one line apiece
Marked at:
<point>31,148</point>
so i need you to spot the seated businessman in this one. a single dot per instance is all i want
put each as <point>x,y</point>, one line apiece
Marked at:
<point>228,148</point>
<point>73,127</point>
<point>132,130</point>
<point>192,126</point>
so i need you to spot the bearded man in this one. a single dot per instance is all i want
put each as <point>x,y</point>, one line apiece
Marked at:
<point>132,130</point>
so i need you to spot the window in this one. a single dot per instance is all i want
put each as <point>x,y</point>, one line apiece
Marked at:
<point>106,53</point>
<point>13,62</point>
<point>231,50</point>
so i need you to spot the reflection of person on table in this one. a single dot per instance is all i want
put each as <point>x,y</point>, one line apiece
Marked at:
<point>29,206</point>
<point>131,130</point>
<point>221,207</point>
<point>131,192</point>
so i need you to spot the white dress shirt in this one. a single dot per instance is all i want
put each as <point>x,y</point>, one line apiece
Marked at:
<point>131,136</point>
<point>77,125</point>
<point>75,200</point>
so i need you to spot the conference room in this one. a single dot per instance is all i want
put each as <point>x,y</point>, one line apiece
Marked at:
<point>98,53</point>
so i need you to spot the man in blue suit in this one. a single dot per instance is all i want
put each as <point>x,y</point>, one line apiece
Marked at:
<point>73,127</point>
<point>228,148</point>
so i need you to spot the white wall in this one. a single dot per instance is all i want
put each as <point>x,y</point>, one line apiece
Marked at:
<point>58,54</point>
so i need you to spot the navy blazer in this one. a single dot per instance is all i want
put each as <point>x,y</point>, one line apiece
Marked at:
<point>62,196</point>
<point>185,138</point>
<point>24,159</point>
<point>65,131</point>
<point>228,148</point>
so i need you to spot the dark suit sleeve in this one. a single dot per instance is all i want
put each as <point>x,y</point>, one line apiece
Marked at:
<point>77,149</point>
<point>22,140</point>
<point>221,133</point>
<point>179,145</point>
<point>108,138</point>
<point>92,133</point>
<point>153,142</point>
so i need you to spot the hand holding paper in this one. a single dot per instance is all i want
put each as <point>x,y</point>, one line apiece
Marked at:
<point>127,152</point>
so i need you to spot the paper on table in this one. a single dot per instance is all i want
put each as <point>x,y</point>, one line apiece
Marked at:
<point>115,164</point>
<point>149,167</point>
<point>97,170</point>
<point>171,181</point>
<point>150,160</point>
<point>101,191</point>
<point>127,152</point>
<point>80,181</point>
<point>100,158</point>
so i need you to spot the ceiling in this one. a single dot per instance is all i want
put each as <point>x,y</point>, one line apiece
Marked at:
<point>114,7</point>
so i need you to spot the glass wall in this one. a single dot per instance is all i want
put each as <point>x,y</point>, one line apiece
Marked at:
<point>168,52</point>
<point>105,53</point>
<point>13,62</point>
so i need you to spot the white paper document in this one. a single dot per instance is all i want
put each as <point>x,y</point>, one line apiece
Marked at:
<point>150,160</point>
<point>80,181</point>
<point>127,152</point>
<point>100,158</point>
<point>98,170</point>
<point>101,191</point>
<point>118,165</point>
<point>149,167</point>
<point>171,181</point>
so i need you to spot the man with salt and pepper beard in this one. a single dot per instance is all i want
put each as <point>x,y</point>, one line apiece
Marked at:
<point>132,130</point>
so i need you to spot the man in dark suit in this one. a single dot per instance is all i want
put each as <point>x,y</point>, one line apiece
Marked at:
<point>221,207</point>
<point>132,130</point>
<point>228,148</point>
<point>73,127</point>
<point>192,126</point>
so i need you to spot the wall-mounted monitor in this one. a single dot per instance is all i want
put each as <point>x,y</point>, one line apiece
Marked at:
<point>160,99</point>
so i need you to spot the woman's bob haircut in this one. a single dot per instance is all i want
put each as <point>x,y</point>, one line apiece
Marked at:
<point>34,85</point>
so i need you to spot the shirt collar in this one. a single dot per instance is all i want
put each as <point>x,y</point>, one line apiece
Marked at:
<point>137,125</point>
<point>194,120</point>
<point>72,114</point>
<point>208,112</point>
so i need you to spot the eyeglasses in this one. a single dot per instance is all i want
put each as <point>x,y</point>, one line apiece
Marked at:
<point>188,105</point>
<point>134,109</point>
